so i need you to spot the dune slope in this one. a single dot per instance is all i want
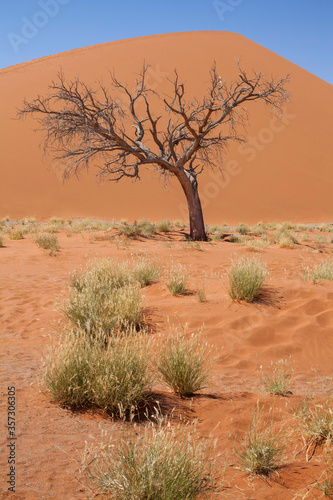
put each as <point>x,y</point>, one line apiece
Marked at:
<point>284,171</point>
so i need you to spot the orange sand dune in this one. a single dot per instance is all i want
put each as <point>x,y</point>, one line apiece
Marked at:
<point>285,172</point>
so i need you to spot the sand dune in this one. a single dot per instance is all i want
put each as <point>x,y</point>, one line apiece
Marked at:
<point>284,172</point>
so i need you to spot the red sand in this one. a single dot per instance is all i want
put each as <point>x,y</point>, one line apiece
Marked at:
<point>284,172</point>
<point>295,319</point>
<point>289,177</point>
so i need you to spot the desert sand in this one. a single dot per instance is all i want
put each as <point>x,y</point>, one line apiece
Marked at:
<point>292,320</point>
<point>283,173</point>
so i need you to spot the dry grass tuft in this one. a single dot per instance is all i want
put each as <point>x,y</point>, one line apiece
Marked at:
<point>162,462</point>
<point>276,379</point>
<point>183,363</point>
<point>322,271</point>
<point>114,375</point>
<point>178,278</point>
<point>48,243</point>
<point>246,278</point>
<point>262,450</point>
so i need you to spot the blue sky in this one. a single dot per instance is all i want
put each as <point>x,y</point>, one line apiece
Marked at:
<point>299,30</point>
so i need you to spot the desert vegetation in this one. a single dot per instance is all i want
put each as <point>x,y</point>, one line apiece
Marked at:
<point>160,339</point>
<point>163,462</point>
<point>246,277</point>
<point>184,363</point>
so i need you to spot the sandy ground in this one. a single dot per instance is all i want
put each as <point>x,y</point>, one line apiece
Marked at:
<point>282,173</point>
<point>293,318</point>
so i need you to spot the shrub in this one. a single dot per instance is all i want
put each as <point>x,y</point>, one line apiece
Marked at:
<point>262,450</point>
<point>246,277</point>
<point>48,243</point>
<point>164,226</point>
<point>162,463</point>
<point>322,271</point>
<point>114,376</point>
<point>1,241</point>
<point>242,228</point>
<point>177,283</point>
<point>183,363</point>
<point>276,379</point>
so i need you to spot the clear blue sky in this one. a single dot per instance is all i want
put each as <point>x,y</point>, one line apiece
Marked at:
<point>299,30</point>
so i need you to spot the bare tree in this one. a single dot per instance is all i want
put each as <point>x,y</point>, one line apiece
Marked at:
<point>119,132</point>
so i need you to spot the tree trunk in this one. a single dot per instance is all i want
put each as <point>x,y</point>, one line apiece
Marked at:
<point>189,184</point>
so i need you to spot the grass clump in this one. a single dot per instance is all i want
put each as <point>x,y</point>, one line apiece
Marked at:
<point>242,228</point>
<point>259,228</point>
<point>93,310</point>
<point>256,245</point>
<point>326,486</point>
<point>177,283</point>
<point>48,243</point>
<point>246,278</point>
<point>201,293</point>
<point>130,230</point>
<point>163,462</point>
<point>286,239</point>
<point>285,226</point>
<point>235,238</point>
<point>147,228</point>
<point>104,297</point>
<point>276,379</point>
<point>142,228</point>
<point>15,234</point>
<point>315,423</point>
<point>164,226</point>
<point>144,272</point>
<point>262,450</point>
<point>85,372</point>
<point>183,363</point>
<point>322,271</point>
<point>179,224</point>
